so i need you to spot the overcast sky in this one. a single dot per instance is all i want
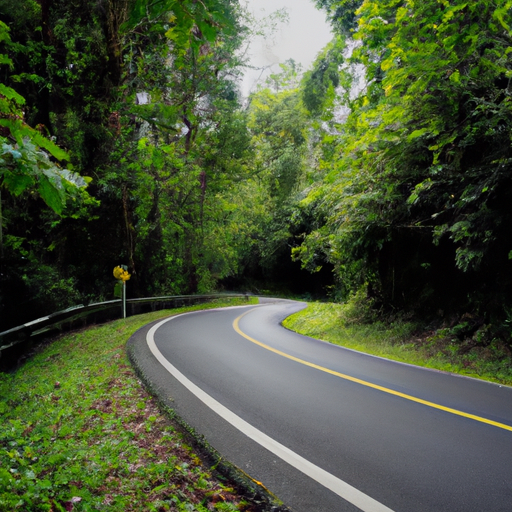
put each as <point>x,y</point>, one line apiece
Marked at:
<point>306,33</point>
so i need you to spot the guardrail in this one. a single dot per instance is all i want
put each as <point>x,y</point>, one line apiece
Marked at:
<point>80,316</point>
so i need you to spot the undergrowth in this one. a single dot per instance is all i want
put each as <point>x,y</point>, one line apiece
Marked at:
<point>79,433</point>
<point>355,326</point>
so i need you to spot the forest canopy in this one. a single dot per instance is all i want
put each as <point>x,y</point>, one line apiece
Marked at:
<point>418,180</point>
<point>385,169</point>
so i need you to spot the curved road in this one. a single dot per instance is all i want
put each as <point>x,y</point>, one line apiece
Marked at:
<point>330,429</point>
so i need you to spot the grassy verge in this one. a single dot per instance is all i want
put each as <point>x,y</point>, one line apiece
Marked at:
<point>342,324</point>
<point>79,433</point>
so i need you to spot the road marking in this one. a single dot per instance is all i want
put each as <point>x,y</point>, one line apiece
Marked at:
<point>389,391</point>
<point>339,487</point>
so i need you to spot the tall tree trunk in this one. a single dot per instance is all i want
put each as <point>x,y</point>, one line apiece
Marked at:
<point>45,21</point>
<point>202,181</point>
<point>117,14</point>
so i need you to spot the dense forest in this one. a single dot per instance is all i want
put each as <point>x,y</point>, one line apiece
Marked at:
<point>383,172</point>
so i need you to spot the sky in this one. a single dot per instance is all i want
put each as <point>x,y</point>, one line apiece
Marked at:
<point>301,39</point>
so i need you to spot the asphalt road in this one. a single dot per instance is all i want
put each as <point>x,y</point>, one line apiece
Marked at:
<point>329,429</point>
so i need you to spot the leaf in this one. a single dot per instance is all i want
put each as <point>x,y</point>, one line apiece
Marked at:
<point>8,150</point>
<point>17,183</point>
<point>73,179</point>
<point>50,146</point>
<point>25,135</point>
<point>209,32</point>
<point>416,133</point>
<point>50,194</point>
<point>455,77</point>
<point>413,198</point>
<point>5,60</point>
<point>11,94</point>
<point>500,15</point>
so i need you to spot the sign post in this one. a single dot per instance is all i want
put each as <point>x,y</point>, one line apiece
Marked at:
<point>121,274</point>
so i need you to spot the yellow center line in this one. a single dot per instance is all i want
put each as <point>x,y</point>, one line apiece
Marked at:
<point>369,384</point>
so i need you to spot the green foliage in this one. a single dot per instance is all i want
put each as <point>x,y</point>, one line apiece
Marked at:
<point>26,167</point>
<point>25,154</point>
<point>388,161</point>
<point>434,119</point>
<point>190,144</point>
<point>319,85</point>
<point>416,181</point>
<point>188,24</point>
<point>288,78</point>
<point>140,94</point>
<point>341,13</point>
<point>279,127</point>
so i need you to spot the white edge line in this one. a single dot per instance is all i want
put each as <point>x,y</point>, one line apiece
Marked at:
<point>339,487</point>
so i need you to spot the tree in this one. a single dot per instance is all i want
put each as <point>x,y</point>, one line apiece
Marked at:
<point>25,162</point>
<point>187,143</point>
<point>281,133</point>
<point>319,85</point>
<point>143,98</point>
<point>341,13</point>
<point>420,171</point>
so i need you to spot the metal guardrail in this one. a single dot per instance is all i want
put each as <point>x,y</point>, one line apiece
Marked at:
<point>96,313</point>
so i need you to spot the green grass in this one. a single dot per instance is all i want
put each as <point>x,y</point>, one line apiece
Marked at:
<point>79,432</point>
<point>345,324</point>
